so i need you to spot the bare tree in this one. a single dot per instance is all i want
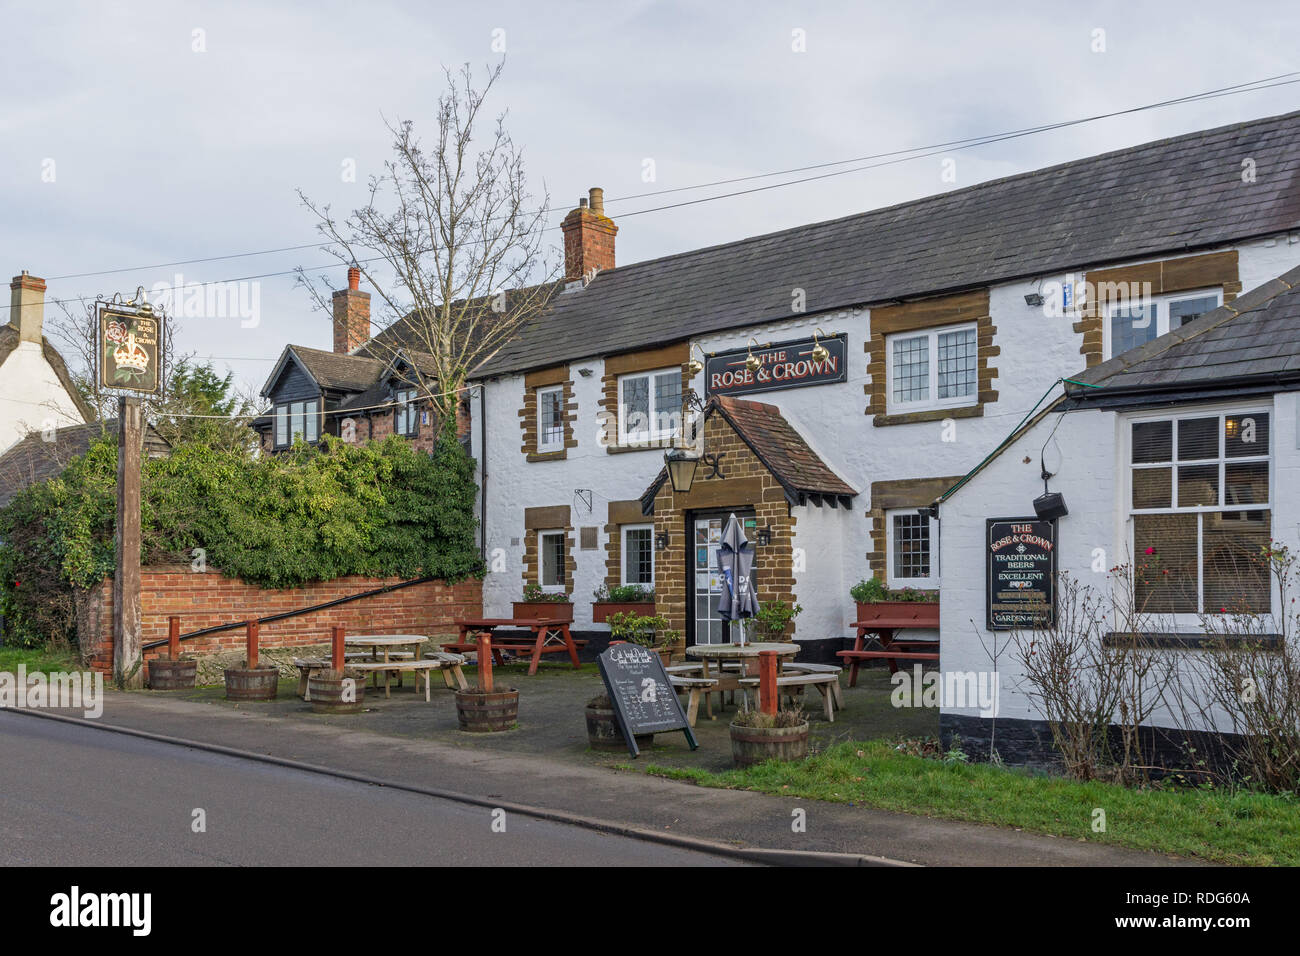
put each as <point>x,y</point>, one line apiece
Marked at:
<point>458,231</point>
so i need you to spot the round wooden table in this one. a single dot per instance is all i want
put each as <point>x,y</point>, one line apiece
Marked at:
<point>746,653</point>
<point>387,642</point>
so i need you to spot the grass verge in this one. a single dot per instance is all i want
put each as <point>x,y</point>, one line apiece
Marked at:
<point>37,659</point>
<point>1220,826</point>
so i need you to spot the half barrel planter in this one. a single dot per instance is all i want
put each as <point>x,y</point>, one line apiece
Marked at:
<point>753,745</point>
<point>486,712</point>
<point>168,674</point>
<point>330,695</point>
<point>603,732</point>
<point>252,683</point>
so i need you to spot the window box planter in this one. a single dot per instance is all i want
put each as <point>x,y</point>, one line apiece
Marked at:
<point>550,610</point>
<point>900,613</point>
<point>602,611</point>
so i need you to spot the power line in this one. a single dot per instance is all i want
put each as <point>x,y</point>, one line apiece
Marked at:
<point>901,155</point>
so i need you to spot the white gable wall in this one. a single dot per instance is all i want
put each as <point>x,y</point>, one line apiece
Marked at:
<point>31,396</point>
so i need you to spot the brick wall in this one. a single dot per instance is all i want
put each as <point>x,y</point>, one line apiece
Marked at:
<point>204,600</point>
<point>747,483</point>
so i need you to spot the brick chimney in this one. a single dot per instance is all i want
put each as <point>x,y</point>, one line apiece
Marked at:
<point>588,237</point>
<point>27,307</point>
<point>351,315</point>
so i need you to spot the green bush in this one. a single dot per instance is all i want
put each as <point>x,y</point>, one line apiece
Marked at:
<point>312,514</point>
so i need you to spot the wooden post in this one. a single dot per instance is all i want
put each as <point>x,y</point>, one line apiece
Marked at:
<point>485,662</point>
<point>252,644</point>
<point>174,637</point>
<point>336,650</point>
<point>127,663</point>
<point>767,692</point>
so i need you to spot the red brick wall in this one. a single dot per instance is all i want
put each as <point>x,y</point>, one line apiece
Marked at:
<point>204,600</point>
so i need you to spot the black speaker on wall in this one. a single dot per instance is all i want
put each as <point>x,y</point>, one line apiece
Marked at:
<point>1050,506</point>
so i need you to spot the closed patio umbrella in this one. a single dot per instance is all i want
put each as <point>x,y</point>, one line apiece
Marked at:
<point>736,565</point>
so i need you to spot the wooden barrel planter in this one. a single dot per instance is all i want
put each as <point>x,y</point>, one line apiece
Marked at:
<point>751,745</point>
<point>482,712</point>
<point>603,732</point>
<point>168,674</point>
<point>326,690</point>
<point>257,683</point>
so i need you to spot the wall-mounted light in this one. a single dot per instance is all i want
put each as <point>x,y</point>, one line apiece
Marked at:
<point>681,463</point>
<point>764,536</point>
<point>585,372</point>
<point>751,360</point>
<point>819,352</point>
<point>661,541</point>
<point>695,366</point>
<point>1034,299</point>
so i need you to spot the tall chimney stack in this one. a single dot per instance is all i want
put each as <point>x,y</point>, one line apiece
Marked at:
<point>351,315</point>
<point>588,237</point>
<point>27,307</point>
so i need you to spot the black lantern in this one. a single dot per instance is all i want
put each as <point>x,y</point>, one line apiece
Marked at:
<point>764,536</point>
<point>661,541</point>
<point>681,468</point>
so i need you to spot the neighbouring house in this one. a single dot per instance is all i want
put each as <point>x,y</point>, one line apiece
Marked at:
<point>352,393</point>
<point>36,392</point>
<point>850,372</point>
<point>1176,462</point>
<point>43,455</point>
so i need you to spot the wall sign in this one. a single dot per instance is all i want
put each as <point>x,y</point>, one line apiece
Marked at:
<point>1021,573</point>
<point>785,365</point>
<point>129,349</point>
<point>643,697</point>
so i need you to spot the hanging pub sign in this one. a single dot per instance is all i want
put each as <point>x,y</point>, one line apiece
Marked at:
<point>782,365</point>
<point>1021,573</point>
<point>130,348</point>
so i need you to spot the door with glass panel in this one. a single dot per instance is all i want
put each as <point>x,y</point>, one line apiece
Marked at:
<point>703,582</point>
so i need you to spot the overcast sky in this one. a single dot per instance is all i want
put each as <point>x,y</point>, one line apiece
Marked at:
<point>129,139</point>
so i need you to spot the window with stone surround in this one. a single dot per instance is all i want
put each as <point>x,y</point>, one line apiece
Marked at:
<point>932,368</point>
<point>552,549</point>
<point>638,554</point>
<point>912,546</point>
<point>1200,511</point>
<point>550,419</point>
<point>649,405</point>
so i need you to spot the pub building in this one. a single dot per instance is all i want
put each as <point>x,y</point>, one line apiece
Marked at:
<point>838,377</point>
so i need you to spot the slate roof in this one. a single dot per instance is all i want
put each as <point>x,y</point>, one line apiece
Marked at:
<point>33,459</point>
<point>782,450</point>
<point>9,339</point>
<point>1177,194</point>
<point>352,373</point>
<point>1255,339</point>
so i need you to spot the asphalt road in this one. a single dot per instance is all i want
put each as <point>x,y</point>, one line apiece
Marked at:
<point>73,796</point>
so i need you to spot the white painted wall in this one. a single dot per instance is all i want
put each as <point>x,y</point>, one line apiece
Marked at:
<point>1035,352</point>
<point>1091,473</point>
<point>31,396</point>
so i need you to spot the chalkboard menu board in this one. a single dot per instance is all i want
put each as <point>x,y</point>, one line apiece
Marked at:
<point>642,695</point>
<point>1021,573</point>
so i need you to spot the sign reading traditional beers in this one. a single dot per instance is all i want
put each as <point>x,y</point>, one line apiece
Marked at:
<point>782,365</point>
<point>129,350</point>
<point>1021,573</point>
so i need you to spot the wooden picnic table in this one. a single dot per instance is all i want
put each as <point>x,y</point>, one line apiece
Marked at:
<point>549,637</point>
<point>387,643</point>
<point>747,654</point>
<point>893,648</point>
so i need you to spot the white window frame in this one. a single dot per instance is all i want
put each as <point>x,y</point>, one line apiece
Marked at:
<point>542,444</point>
<point>625,551</point>
<point>895,407</point>
<point>284,415</point>
<point>896,582</point>
<point>1186,620</point>
<point>1161,303</point>
<point>654,432</point>
<point>541,559</point>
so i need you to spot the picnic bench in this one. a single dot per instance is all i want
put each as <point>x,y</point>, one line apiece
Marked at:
<point>828,684</point>
<point>549,637</point>
<point>399,663</point>
<point>892,648</point>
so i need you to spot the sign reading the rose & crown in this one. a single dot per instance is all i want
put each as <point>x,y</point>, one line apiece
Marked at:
<point>129,350</point>
<point>782,365</point>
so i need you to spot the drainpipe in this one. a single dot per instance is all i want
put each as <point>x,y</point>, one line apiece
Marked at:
<point>483,473</point>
